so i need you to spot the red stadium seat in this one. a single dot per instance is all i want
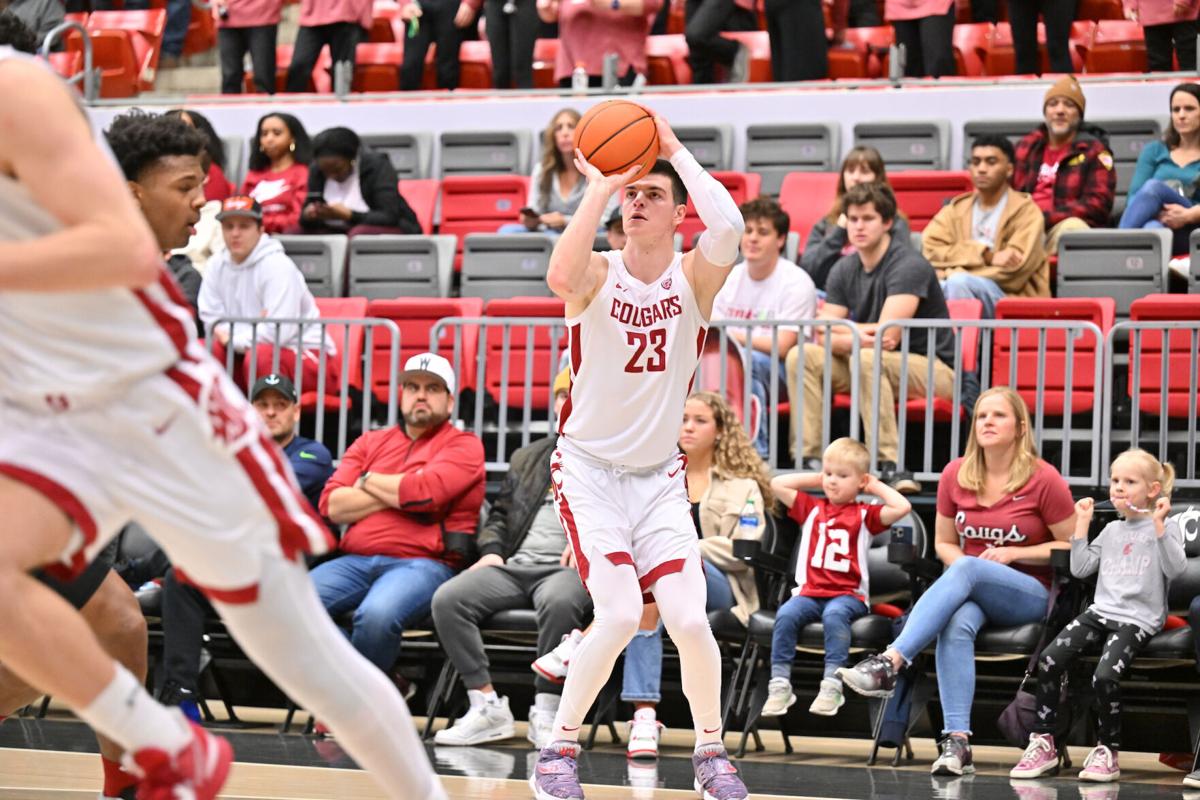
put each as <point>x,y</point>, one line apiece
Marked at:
<point>79,16</point>
<point>114,55</point>
<point>864,54</point>
<point>66,64</point>
<point>545,52</point>
<point>546,349</point>
<point>480,204</point>
<point>475,59</point>
<point>145,29</point>
<point>1001,58</point>
<point>677,16</point>
<point>377,67</point>
<point>760,53</point>
<point>421,194</point>
<point>920,194</point>
<point>384,15</point>
<point>1099,9</point>
<point>807,197</point>
<point>970,47</point>
<point>742,186</point>
<point>1149,363</point>
<point>968,345</point>
<point>710,370</point>
<point>320,82</point>
<point>416,316</point>
<point>1116,45</point>
<point>202,32</point>
<point>352,340</point>
<point>1052,377</point>
<point>666,60</point>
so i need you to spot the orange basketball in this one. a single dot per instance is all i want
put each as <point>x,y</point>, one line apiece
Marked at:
<point>617,134</point>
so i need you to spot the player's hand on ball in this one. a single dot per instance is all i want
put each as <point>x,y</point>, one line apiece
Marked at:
<point>668,142</point>
<point>611,183</point>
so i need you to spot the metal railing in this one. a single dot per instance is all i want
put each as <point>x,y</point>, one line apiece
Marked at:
<point>352,357</point>
<point>1153,424</point>
<point>90,77</point>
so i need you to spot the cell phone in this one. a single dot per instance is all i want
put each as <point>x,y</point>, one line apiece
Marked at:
<point>314,197</point>
<point>528,212</point>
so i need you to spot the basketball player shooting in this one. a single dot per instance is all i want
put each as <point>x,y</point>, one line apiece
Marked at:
<point>637,319</point>
<point>111,411</point>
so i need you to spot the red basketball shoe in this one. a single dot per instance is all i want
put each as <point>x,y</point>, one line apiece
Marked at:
<point>197,771</point>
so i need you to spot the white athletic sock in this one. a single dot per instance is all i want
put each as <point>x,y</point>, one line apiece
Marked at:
<point>290,636</point>
<point>645,714</point>
<point>544,701</point>
<point>680,598</point>
<point>476,698</point>
<point>126,714</point>
<point>491,698</point>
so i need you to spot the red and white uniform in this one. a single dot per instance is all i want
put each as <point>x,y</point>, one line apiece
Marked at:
<point>834,541</point>
<point>617,472</point>
<point>111,409</point>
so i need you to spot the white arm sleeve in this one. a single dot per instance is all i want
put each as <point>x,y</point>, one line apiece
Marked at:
<point>722,220</point>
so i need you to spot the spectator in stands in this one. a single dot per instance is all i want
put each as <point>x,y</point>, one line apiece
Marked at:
<point>1166,183</point>
<point>16,34</point>
<point>827,241</point>
<point>1134,559</point>
<point>179,18</point>
<point>340,24</point>
<point>884,280</point>
<point>521,564</point>
<point>435,22</point>
<point>278,170</point>
<point>40,16</point>
<point>988,243</point>
<point>926,29</point>
<point>411,496</point>
<point>556,186</point>
<point>1170,29</point>
<point>253,278</point>
<point>723,474</point>
<point>765,286</point>
<point>1058,15</point>
<point>1000,511</point>
<point>707,47</point>
<point>184,608</point>
<point>796,29</point>
<point>614,231</point>
<point>512,27</point>
<point>831,571</point>
<point>1065,164</point>
<point>589,30</point>
<point>248,26</point>
<point>358,189</point>
<point>216,185</point>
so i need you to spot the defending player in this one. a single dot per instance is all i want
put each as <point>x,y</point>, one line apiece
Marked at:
<point>110,411</point>
<point>637,319</point>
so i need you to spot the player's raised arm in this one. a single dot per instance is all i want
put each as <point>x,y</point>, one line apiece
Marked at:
<point>575,271</point>
<point>723,223</point>
<point>46,144</point>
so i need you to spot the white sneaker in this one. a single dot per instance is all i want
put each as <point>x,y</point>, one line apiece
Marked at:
<point>484,722</point>
<point>553,665</point>
<point>643,738</point>
<point>829,699</point>
<point>780,697</point>
<point>541,726</point>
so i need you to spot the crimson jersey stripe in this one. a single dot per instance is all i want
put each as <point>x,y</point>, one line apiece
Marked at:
<point>573,334</point>
<point>70,505</point>
<point>172,324</point>
<point>701,335</point>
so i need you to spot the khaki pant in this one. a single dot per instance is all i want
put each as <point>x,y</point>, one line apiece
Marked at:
<point>889,384</point>
<point>1056,232</point>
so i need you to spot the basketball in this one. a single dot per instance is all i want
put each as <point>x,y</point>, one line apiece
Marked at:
<point>617,134</point>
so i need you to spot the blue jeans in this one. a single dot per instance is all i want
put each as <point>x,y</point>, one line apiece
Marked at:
<point>835,613</point>
<point>179,17</point>
<point>964,286</point>
<point>971,593</point>
<point>760,387</point>
<point>1145,205</point>
<point>385,594</point>
<point>642,678</point>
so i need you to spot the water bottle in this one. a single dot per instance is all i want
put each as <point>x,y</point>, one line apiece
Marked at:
<point>608,79</point>
<point>579,79</point>
<point>748,521</point>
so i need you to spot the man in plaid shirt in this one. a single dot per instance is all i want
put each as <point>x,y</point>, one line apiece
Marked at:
<point>1066,165</point>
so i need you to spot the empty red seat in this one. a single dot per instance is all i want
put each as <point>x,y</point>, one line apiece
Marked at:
<point>807,197</point>
<point>377,67</point>
<point>921,193</point>
<point>1116,45</point>
<point>545,53</point>
<point>416,318</point>
<point>384,16</point>
<point>676,16</point>
<point>1099,9</point>
<point>421,195</point>
<point>1148,360</point>
<point>145,29</point>
<point>320,81</point>
<point>1051,374</point>
<point>114,55</point>
<point>475,59</point>
<point>864,53</point>
<point>970,47</point>
<point>546,348</point>
<point>742,186</point>
<point>349,340</point>
<point>1001,59</point>
<point>666,60</point>
<point>480,204</point>
<point>66,64</point>
<point>202,31</point>
<point>968,345</point>
<point>759,44</point>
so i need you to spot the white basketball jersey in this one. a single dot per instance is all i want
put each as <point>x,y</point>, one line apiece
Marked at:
<point>61,350</point>
<point>634,352</point>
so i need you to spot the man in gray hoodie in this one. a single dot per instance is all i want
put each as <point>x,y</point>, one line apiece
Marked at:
<point>253,278</point>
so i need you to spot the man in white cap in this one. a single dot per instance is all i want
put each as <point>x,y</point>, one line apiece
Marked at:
<point>411,496</point>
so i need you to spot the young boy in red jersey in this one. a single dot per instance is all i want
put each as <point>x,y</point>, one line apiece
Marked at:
<point>831,571</point>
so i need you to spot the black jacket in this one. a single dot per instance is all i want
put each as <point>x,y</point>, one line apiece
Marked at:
<point>521,496</point>
<point>380,189</point>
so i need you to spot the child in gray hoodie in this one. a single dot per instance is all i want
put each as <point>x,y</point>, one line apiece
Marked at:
<point>1133,559</point>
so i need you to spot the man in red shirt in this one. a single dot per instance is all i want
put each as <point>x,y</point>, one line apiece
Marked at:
<point>411,496</point>
<point>1066,165</point>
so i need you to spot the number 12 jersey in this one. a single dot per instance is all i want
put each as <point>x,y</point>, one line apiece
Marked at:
<point>834,540</point>
<point>634,352</point>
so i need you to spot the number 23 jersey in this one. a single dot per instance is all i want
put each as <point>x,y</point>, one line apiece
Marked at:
<point>834,541</point>
<point>634,352</point>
